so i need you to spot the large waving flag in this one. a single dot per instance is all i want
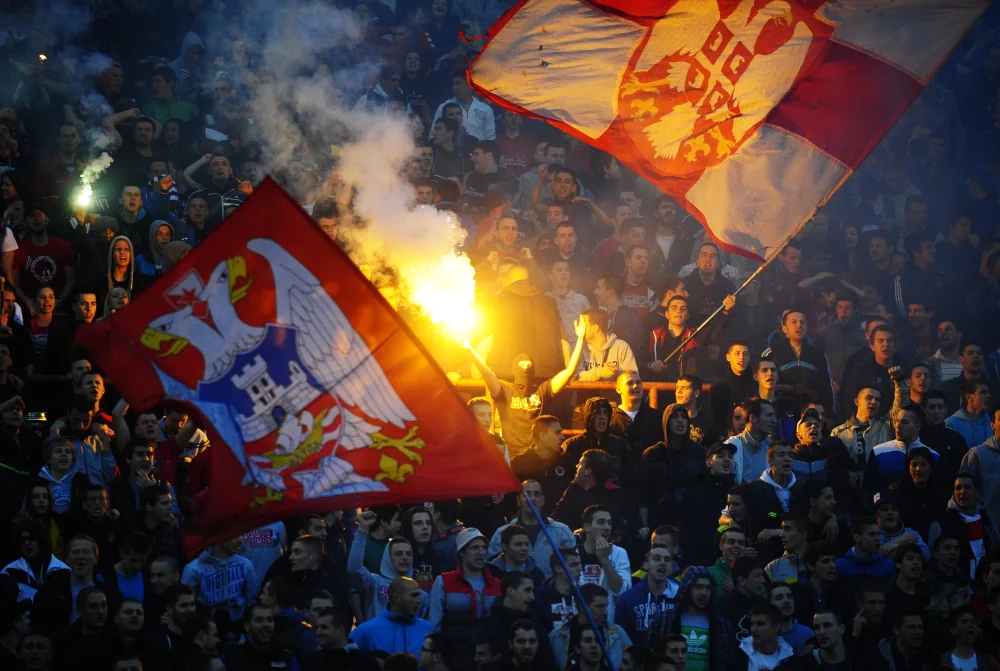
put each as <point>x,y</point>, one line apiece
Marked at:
<point>315,394</point>
<point>750,112</point>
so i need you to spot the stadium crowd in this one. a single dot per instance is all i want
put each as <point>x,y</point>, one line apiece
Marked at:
<point>819,490</point>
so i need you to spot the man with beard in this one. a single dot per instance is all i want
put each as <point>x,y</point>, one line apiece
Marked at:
<point>523,400</point>
<point>540,548</point>
<point>673,247</point>
<point>623,321</point>
<point>166,641</point>
<point>707,287</point>
<point>596,436</point>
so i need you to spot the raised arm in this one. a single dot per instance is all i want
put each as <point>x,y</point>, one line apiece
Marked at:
<point>112,120</point>
<point>561,378</point>
<point>489,377</point>
<point>193,168</point>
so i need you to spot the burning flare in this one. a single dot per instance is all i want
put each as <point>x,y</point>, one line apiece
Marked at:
<point>446,293</point>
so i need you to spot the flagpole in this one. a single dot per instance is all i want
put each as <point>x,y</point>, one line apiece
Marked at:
<point>743,286</point>
<point>576,588</point>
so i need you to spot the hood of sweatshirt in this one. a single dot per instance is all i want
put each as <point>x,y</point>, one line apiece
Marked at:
<point>522,288</point>
<point>64,481</point>
<point>963,415</point>
<point>155,248</point>
<point>953,505</point>
<point>590,408</point>
<point>766,477</point>
<point>386,569</point>
<point>190,40</point>
<point>756,659</point>
<point>131,262</point>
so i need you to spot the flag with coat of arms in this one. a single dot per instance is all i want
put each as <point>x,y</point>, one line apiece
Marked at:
<point>314,393</point>
<point>751,113</point>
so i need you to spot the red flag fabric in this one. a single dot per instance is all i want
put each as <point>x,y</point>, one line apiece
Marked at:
<point>751,113</point>
<point>314,394</point>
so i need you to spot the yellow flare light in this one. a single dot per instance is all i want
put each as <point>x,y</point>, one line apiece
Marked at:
<point>86,195</point>
<point>446,293</point>
<point>43,57</point>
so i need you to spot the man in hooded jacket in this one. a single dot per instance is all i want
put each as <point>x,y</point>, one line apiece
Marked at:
<point>397,560</point>
<point>596,435</point>
<point>670,464</point>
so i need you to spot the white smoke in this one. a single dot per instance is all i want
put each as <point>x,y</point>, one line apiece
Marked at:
<point>302,114</point>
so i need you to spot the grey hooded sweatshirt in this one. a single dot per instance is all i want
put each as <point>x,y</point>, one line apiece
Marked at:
<point>376,594</point>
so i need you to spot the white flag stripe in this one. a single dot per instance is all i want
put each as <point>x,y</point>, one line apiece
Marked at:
<point>914,35</point>
<point>561,60</point>
<point>756,198</point>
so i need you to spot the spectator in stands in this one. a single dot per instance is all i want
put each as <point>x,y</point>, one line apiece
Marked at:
<point>623,321</point>
<point>972,420</point>
<point>971,357</point>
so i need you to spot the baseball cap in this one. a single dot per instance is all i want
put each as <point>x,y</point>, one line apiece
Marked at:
<point>466,536</point>
<point>721,447</point>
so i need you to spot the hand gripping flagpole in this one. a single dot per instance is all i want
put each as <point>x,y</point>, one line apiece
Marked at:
<point>576,588</point>
<point>743,286</point>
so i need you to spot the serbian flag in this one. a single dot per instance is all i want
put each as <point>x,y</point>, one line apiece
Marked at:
<point>314,394</point>
<point>751,113</point>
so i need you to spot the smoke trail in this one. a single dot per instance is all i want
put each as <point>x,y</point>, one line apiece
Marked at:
<point>299,116</point>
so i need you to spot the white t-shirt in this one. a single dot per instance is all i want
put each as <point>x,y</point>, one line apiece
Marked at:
<point>9,244</point>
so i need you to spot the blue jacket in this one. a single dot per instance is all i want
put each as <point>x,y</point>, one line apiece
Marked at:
<point>887,465</point>
<point>643,615</point>
<point>975,431</point>
<point>876,566</point>
<point>391,633</point>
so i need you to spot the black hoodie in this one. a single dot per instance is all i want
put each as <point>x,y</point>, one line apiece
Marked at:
<point>590,439</point>
<point>667,465</point>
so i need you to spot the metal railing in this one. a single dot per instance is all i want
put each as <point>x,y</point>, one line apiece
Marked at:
<point>652,387</point>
